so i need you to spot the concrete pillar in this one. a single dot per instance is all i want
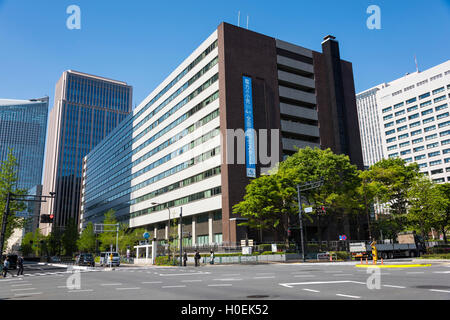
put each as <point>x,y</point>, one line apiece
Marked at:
<point>155,231</point>
<point>210,227</point>
<point>146,253</point>
<point>137,252</point>
<point>167,231</point>
<point>154,250</point>
<point>193,232</point>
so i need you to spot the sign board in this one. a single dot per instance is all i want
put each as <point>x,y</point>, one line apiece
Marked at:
<point>128,253</point>
<point>243,243</point>
<point>274,247</point>
<point>246,250</point>
<point>343,237</point>
<point>250,243</point>
<point>146,235</point>
<point>308,209</point>
<point>250,143</point>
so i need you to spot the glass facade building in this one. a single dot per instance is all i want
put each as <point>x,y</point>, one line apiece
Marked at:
<point>87,108</point>
<point>22,128</point>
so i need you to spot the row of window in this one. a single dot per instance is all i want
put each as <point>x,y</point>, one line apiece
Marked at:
<point>178,202</point>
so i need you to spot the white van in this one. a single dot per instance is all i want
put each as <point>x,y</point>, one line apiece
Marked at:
<point>105,259</point>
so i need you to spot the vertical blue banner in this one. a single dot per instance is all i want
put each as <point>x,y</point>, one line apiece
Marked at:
<point>250,152</point>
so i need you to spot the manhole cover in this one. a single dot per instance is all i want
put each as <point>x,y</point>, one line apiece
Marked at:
<point>433,287</point>
<point>257,297</point>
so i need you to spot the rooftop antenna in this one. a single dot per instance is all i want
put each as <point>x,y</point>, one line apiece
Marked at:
<point>239,18</point>
<point>247,22</point>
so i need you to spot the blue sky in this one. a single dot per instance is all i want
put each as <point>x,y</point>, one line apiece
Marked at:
<point>141,42</point>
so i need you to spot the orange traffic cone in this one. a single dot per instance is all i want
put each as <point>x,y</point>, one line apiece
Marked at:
<point>361,260</point>
<point>331,258</point>
<point>381,260</point>
<point>367,261</point>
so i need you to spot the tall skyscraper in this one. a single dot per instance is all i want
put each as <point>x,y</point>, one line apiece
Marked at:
<point>22,128</point>
<point>86,109</point>
<point>169,153</point>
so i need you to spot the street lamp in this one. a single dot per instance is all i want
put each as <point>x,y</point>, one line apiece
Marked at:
<point>168,223</point>
<point>306,186</point>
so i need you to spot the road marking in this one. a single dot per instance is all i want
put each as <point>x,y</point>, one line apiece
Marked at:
<point>304,276</point>
<point>219,285</point>
<point>342,274</point>
<point>21,285</point>
<point>164,287</point>
<point>26,294</point>
<point>231,274</point>
<point>391,286</point>
<point>289,285</point>
<point>435,290</point>
<point>191,280</point>
<point>263,274</point>
<point>415,272</point>
<point>23,289</point>
<point>182,274</point>
<point>441,272</point>
<point>79,290</point>
<point>311,290</point>
<point>111,284</point>
<point>150,282</point>
<point>229,279</point>
<point>134,288</point>
<point>333,271</point>
<point>268,277</point>
<point>347,296</point>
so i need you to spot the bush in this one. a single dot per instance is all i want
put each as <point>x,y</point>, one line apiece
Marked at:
<point>164,261</point>
<point>439,249</point>
<point>436,256</point>
<point>341,255</point>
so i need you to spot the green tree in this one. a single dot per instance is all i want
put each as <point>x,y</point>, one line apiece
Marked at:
<point>26,246</point>
<point>442,218</point>
<point>8,183</point>
<point>108,237</point>
<point>70,237</point>
<point>128,238</point>
<point>87,240</point>
<point>424,203</point>
<point>389,182</point>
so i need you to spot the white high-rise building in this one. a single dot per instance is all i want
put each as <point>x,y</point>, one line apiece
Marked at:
<point>369,125</point>
<point>413,114</point>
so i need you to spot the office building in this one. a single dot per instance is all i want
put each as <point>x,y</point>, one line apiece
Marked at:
<point>369,126</point>
<point>175,150</point>
<point>23,124</point>
<point>87,108</point>
<point>414,116</point>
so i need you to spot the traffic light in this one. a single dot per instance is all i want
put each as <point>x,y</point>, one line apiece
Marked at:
<point>46,218</point>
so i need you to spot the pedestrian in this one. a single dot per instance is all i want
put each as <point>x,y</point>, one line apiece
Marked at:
<point>5,267</point>
<point>212,257</point>
<point>185,258</point>
<point>20,266</point>
<point>197,258</point>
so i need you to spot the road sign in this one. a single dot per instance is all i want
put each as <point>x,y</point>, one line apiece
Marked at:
<point>343,237</point>
<point>146,235</point>
<point>308,209</point>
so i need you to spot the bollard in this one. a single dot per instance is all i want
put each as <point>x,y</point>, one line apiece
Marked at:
<point>331,258</point>
<point>381,260</point>
<point>367,261</point>
<point>361,261</point>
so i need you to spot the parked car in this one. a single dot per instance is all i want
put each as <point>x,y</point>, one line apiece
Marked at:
<point>85,259</point>
<point>55,259</point>
<point>105,259</point>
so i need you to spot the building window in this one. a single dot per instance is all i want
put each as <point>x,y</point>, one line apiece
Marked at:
<point>390,132</point>
<point>430,128</point>
<point>411,100</point>
<point>413,108</point>
<point>432,136</point>
<point>405,152</point>
<point>417,140</point>
<point>416,132</point>
<point>218,238</point>
<point>419,149</point>
<point>401,120</point>
<point>424,104</point>
<point>392,155</point>
<point>393,147</point>
<point>403,128</point>
<point>390,124</point>
<point>399,113</point>
<point>443,106</point>
<point>387,109</point>
<point>414,124</point>
<point>202,240</point>
<point>403,136</point>
<point>427,112</point>
<point>444,124</point>
<point>425,121</point>
<point>438,90</point>
<point>441,116</point>
<point>435,163</point>
<point>404,144</point>
<point>398,105</point>
<point>422,156</point>
<point>391,140</point>
<point>387,117</point>
<point>413,116</point>
<point>440,98</point>
<point>432,145</point>
<point>423,96</point>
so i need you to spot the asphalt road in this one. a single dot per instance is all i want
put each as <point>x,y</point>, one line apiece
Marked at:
<point>341,281</point>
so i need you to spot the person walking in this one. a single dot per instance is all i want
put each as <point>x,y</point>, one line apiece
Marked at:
<point>20,266</point>
<point>212,257</point>
<point>5,267</point>
<point>197,258</point>
<point>185,258</point>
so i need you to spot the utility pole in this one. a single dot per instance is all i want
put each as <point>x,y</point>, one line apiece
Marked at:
<point>306,186</point>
